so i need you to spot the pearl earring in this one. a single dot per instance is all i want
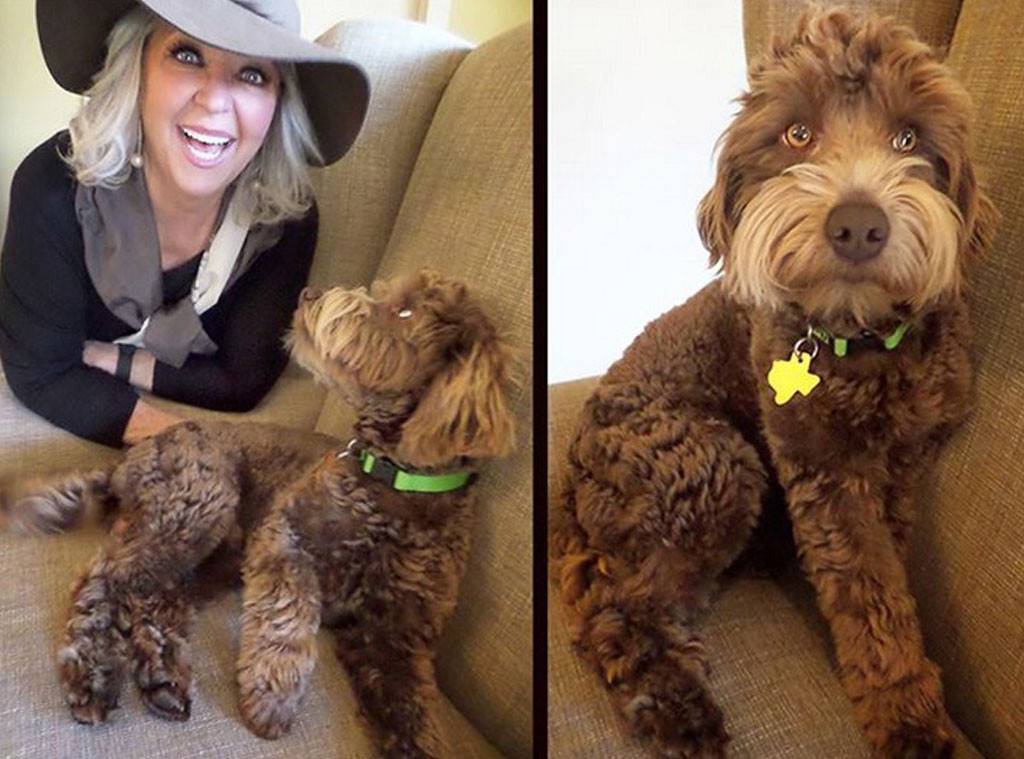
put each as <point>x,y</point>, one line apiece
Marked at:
<point>136,160</point>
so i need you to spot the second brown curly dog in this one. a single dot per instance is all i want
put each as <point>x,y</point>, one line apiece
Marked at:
<point>827,365</point>
<point>376,558</point>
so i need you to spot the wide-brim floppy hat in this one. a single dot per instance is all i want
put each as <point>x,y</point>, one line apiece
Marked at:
<point>73,35</point>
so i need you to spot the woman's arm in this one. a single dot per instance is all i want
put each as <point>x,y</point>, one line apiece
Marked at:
<point>104,356</point>
<point>248,325</point>
<point>43,307</point>
<point>146,420</point>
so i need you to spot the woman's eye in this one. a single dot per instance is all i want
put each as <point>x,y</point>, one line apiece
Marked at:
<point>187,55</point>
<point>798,136</point>
<point>254,77</point>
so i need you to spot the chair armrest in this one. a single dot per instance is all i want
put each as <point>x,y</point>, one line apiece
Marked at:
<point>565,402</point>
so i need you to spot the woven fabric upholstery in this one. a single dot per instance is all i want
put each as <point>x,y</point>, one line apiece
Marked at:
<point>409,66</point>
<point>771,659</point>
<point>933,20</point>
<point>468,213</point>
<point>30,444</point>
<point>34,603</point>
<point>968,565</point>
<point>770,670</point>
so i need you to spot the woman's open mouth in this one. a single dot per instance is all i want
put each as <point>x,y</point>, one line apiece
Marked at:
<point>205,149</point>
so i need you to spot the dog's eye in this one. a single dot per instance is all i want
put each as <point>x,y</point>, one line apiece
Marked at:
<point>405,313</point>
<point>798,136</point>
<point>904,140</point>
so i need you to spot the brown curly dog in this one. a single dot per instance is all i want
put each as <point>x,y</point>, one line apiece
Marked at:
<point>372,546</point>
<point>817,378</point>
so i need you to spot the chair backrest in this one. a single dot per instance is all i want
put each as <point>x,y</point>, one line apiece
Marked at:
<point>409,66</point>
<point>967,561</point>
<point>933,20</point>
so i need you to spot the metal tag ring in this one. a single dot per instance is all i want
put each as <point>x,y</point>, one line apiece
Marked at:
<point>814,346</point>
<point>348,449</point>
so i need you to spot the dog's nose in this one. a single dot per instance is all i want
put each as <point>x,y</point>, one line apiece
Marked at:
<point>309,293</point>
<point>857,231</point>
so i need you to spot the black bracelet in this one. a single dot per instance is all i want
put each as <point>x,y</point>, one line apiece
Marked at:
<point>125,353</point>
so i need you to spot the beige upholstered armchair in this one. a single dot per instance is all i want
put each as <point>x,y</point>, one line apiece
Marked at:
<point>772,666</point>
<point>441,176</point>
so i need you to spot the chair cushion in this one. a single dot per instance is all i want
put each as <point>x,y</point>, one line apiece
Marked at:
<point>771,672</point>
<point>34,604</point>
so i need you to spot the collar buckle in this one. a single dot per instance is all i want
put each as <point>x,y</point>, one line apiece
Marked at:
<point>383,469</point>
<point>391,474</point>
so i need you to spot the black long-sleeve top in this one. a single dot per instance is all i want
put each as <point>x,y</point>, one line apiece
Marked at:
<point>49,307</point>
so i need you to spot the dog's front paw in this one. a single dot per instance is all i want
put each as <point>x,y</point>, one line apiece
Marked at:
<point>168,701</point>
<point>162,673</point>
<point>918,742</point>
<point>164,689</point>
<point>908,721</point>
<point>268,700</point>
<point>265,714</point>
<point>91,688</point>
<point>672,708</point>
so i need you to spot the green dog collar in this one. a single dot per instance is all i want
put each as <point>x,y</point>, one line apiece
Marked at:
<point>841,345</point>
<point>387,471</point>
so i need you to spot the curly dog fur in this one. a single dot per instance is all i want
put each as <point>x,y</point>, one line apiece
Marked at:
<point>316,539</point>
<point>683,454</point>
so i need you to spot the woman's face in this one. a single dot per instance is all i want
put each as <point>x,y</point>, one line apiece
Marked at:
<point>205,112</point>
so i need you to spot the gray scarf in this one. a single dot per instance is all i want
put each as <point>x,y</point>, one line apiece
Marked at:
<point>122,256</point>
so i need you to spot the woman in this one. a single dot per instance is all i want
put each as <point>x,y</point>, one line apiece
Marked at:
<point>160,243</point>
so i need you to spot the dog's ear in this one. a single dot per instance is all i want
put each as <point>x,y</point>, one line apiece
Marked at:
<point>715,212</point>
<point>464,411</point>
<point>979,212</point>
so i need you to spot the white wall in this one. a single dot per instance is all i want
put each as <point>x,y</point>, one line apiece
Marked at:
<point>32,106</point>
<point>473,20</point>
<point>479,20</point>
<point>638,92</point>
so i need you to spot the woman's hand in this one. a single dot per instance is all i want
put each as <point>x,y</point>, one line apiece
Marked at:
<point>147,421</point>
<point>103,356</point>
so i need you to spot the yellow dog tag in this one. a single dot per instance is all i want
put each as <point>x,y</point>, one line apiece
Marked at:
<point>787,378</point>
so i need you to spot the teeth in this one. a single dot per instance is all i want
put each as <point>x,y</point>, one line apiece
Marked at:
<point>205,154</point>
<point>206,140</point>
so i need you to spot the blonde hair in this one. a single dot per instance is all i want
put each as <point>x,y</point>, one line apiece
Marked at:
<point>107,130</point>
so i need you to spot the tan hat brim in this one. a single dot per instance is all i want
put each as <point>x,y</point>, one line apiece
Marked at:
<point>336,92</point>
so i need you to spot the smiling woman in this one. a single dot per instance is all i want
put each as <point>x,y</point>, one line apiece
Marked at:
<point>216,104</point>
<point>160,243</point>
